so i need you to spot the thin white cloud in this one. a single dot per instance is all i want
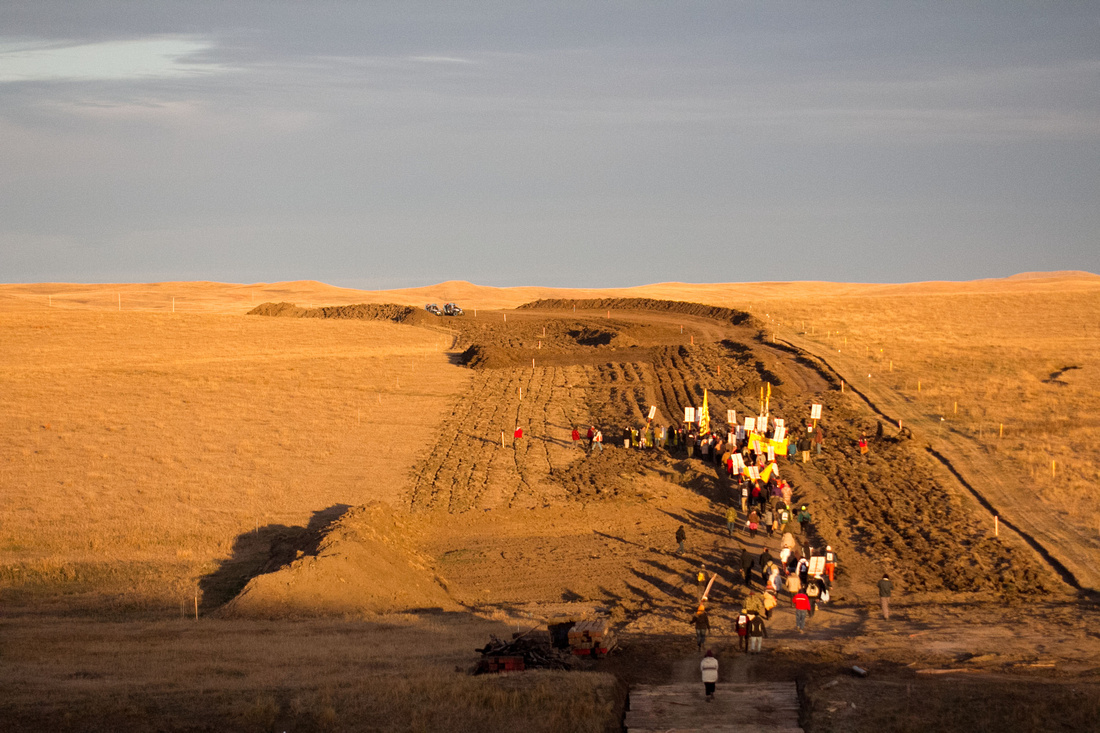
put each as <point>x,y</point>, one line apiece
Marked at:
<point>146,58</point>
<point>442,60</point>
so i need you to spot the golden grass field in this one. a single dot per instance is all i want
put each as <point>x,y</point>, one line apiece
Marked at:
<point>139,446</point>
<point>150,440</point>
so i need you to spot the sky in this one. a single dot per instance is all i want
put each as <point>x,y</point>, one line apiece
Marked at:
<point>397,144</point>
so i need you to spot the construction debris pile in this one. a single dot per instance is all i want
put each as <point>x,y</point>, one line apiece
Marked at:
<point>527,651</point>
<point>591,638</point>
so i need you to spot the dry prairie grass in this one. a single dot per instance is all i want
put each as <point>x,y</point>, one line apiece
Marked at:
<point>139,446</point>
<point>395,673</point>
<point>990,366</point>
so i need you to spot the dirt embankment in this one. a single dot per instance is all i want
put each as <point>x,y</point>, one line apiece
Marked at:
<point>724,315</point>
<point>365,564</point>
<point>361,311</point>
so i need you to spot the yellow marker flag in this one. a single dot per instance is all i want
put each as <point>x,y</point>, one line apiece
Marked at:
<point>704,416</point>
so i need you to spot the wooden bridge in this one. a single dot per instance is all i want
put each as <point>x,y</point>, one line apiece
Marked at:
<point>745,708</point>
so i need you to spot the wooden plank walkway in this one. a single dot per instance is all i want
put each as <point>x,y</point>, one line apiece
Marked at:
<point>745,708</point>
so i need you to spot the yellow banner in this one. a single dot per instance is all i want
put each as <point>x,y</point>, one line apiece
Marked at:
<point>704,416</point>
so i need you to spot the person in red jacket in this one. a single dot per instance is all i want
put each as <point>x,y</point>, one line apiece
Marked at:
<point>576,436</point>
<point>801,603</point>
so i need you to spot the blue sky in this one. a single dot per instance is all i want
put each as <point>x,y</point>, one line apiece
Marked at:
<point>384,145</point>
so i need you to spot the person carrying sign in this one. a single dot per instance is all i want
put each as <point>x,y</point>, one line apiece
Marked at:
<point>818,439</point>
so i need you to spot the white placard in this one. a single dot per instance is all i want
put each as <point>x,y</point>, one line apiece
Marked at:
<point>738,462</point>
<point>689,414</point>
<point>754,473</point>
<point>780,433</point>
<point>815,412</point>
<point>771,453</point>
<point>731,417</point>
<point>778,424</point>
<point>817,565</point>
<point>750,424</point>
<point>652,411</point>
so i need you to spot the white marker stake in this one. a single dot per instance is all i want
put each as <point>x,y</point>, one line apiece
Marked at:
<point>120,301</point>
<point>996,526</point>
<point>173,305</point>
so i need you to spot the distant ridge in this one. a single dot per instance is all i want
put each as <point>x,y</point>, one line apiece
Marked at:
<point>214,297</point>
<point>1056,275</point>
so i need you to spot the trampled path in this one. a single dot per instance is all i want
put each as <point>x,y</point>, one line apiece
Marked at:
<point>740,707</point>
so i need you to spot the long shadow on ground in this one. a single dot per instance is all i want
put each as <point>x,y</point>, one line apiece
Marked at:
<point>263,551</point>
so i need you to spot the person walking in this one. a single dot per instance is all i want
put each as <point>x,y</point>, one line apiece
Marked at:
<point>701,622</point>
<point>803,570</point>
<point>802,519</point>
<point>709,668</point>
<point>818,440</point>
<point>885,588</point>
<point>731,519</point>
<point>576,436</point>
<point>747,561</point>
<point>743,630</point>
<point>804,445</point>
<point>598,440</point>
<point>757,632</point>
<point>590,435</point>
<point>801,603</point>
<point>830,563</point>
<point>681,537</point>
<point>753,524</point>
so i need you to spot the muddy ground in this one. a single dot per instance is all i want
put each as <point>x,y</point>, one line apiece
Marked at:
<point>537,527</point>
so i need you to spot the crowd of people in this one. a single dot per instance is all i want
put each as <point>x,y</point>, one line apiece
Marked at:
<point>760,501</point>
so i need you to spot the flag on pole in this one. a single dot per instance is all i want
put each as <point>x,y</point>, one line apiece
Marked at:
<point>704,416</point>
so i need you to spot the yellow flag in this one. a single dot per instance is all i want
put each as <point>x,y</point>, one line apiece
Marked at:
<point>704,416</point>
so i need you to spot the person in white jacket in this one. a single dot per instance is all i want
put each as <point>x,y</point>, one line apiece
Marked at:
<point>709,668</point>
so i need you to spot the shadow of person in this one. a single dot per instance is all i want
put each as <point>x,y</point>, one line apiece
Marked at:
<point>265,550</point>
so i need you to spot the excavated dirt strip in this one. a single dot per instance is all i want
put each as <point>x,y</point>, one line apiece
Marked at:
<point>1070,551</point>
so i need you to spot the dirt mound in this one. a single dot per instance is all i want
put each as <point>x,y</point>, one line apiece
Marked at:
<point>361,311</point>
<point>365,564</point>
<point>724,315</point>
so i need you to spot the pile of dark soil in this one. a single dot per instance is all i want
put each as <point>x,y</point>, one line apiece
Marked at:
<point>722,315</point>
<point>361,311</point>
